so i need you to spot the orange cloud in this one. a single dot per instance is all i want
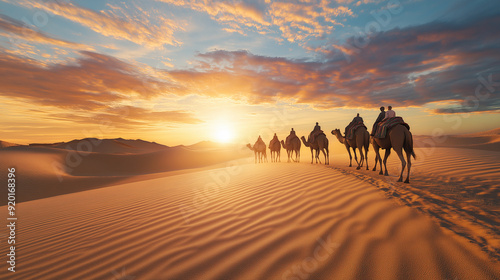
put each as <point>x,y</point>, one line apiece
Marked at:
<point>116,22</point>
<point>236,14</point>
<point>128,116</point>
<point>94,86</point>
<point>431,64</point>
<point>297,20</point>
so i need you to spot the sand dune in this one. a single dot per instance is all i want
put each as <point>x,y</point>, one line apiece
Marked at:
<point>53,169</point>
<point>244,221</point>
<point>4,144</point>
<point>458,188</point>
<point>486,140</point>
<point>107,146</point>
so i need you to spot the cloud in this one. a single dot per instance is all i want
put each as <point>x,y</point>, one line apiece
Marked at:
<point>116,22</point>
<point>296,21</point>
<point>129,116</point>
<point>299,21</point>
<point>15,29</point>
<point>413,66</point>
<point>94,86</point>
<point>237,14</point>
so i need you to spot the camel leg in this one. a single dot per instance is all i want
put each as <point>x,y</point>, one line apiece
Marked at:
<point>327,158</point>
<point>387,153</point>
<point>408,157</point>
<point>361,158</point>
<point>317,156</point>
<point>355,156</point>
<point>350,156</point>
<point>399,151</point>
<point>380,163</point>
<point>377,157</point>
<point>366,158</point>
<point>312,156</point>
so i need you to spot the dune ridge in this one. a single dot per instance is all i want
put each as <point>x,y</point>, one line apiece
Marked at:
<point>244,221</point>
<point>485,140</point>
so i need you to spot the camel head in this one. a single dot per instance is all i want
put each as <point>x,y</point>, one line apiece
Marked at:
<point>283,144</point>
<point>304,140</point>
<point>249,146</point>
<point>337,133</point>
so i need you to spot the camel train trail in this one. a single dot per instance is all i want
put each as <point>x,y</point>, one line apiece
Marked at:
<point>391,133</point>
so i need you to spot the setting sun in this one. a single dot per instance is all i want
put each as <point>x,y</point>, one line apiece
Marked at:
<point>223,133</point>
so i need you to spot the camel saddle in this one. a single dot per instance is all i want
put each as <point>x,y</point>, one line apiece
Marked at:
<point>290,138</point>
<point>350,131</point>
<point>314,134</point>
<point>274,140</point>
<point>386,125</point>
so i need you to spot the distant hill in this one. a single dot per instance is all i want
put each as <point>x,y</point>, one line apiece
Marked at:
<point>486,140</point>
<point>4,144</point>
<point>108,146</point>
<point>120,146</point>
<point>54,169</point>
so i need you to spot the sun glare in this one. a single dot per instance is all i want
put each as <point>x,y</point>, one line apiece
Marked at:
<point>223,134</point>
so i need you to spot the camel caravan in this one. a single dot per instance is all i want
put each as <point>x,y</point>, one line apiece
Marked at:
<point>388,132</point>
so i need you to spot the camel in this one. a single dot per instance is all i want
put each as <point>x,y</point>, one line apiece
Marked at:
<point>293,146</point>
<point>319,144</point>
<point>275,149</point>
<point>259,149</point>
<point>398,138</point>
<point>361,140</point>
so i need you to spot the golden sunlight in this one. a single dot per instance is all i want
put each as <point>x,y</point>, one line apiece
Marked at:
<point>223,133</point>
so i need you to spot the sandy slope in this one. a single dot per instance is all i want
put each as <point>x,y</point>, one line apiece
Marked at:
<point>47,170</point>
<point>246,221</point>
<point>457,188</point>
<point>485,140</point>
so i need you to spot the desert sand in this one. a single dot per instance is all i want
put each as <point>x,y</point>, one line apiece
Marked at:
<point>240,220</point>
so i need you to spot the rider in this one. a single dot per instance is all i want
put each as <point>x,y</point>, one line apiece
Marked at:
<point>316,131</point>
<point>380,117</point>
<point>390,113</point>
<point>259,140</point>
<point>290,137</point>
<point>356,119</point>
<point>275,138</point>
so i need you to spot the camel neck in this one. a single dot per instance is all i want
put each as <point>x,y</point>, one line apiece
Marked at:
<point>340,137</point>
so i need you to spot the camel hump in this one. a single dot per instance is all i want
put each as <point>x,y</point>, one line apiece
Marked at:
<point>388,124</point>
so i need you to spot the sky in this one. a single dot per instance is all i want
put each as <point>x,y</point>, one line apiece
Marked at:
<point>180,72</point>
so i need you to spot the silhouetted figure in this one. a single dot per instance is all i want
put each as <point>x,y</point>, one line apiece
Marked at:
<point>357,119</point>
<point>380,117</point>
<point>317,127</point>
<point>292,144</point>
<point>275,148</point>
<point>390,113</point>
<point>259,149</point>
<point>316,131</point>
